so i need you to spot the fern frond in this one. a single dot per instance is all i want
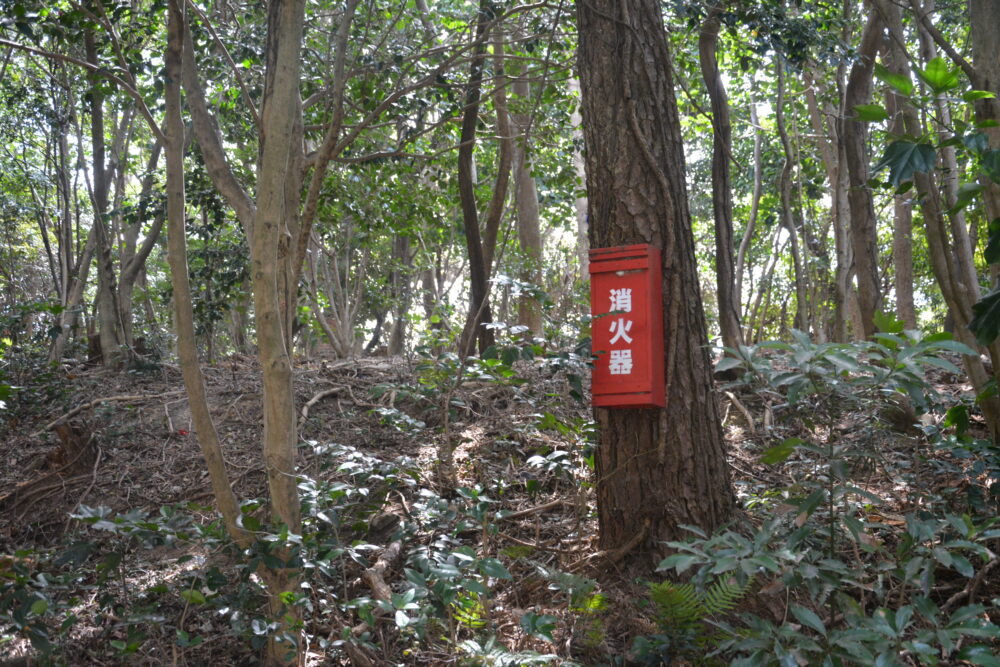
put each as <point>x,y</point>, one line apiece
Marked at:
<point>678,605</point>
<point>723,595</point>
<point>682,606</point>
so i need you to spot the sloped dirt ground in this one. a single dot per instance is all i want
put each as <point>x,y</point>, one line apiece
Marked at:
<point>125,441</point>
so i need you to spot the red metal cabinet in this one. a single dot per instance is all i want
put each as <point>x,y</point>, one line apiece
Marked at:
<point>626,302</point>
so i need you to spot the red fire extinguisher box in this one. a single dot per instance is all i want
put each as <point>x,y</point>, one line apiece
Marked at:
<point>626,301</point>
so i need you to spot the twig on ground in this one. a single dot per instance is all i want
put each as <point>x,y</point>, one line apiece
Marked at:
<point>316,399</point>
<point>970,589</point>
<point>742,408</point>
<point>539,547</point>
<point>533,510</point>
<point>93,475</point>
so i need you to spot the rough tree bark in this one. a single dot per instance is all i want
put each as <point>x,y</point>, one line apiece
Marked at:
<point>279,183</point>
<point>656,469</point>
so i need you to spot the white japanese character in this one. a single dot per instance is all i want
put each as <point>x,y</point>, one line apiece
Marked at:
<point>620,329</point>
<point>621,362</point>
<point>621,300</point>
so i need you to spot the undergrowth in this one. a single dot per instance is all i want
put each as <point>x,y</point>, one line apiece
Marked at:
<point>864,545</point>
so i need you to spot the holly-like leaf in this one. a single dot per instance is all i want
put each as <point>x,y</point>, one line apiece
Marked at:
<point>905,158</point>
<point>938,76</point>
<point>809,617</point>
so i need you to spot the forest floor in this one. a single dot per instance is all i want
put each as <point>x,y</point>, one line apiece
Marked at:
<point>125,441</point>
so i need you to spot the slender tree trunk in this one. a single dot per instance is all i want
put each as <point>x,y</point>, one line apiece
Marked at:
<point>107,302</point>
<point>580,203</point>
<point>758,189</point>
<point>722,198</point>
<point>400,280</point>
<point>787,208</point>
<point>479,270</point>
<point>529,310</point>
<point>69,316</point>
<point>133,258</point>
<point>902,229</point>
<point>864,235</point>
<point>187,349</point>
<point>949,250</point>
<point>656,469</point>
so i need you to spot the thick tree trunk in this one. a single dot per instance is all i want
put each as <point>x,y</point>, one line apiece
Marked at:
<point>864,237</point>
<point>722,198</point>
<point>656,469</point>
<point>279,183</point>
<point>984,17</point>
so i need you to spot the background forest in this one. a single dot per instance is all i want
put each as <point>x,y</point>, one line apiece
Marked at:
<point>295,334</point>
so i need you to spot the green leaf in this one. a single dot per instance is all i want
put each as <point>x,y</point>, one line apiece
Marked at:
<point>843,361</point>
<point>809,617</point>
<point>193,596</point>
<point>950,346</point>
<point>966,195</point>
<point>680,562</point>
<point>977,142</point>
<point>870,113</point>
<point>728,362</point>
<point>779,453</point>
<point>992,252</point>
<point>963,566</point>
<point>39,607</point>
<point>990,164</point>
<point>985,322</point>
<point>973,95</point>
<point>888,323</point>
<point>938,76</point>
<point>900,82</point>
<point>905,158</point>
<point>979,655</point>
<point>491,567</point>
